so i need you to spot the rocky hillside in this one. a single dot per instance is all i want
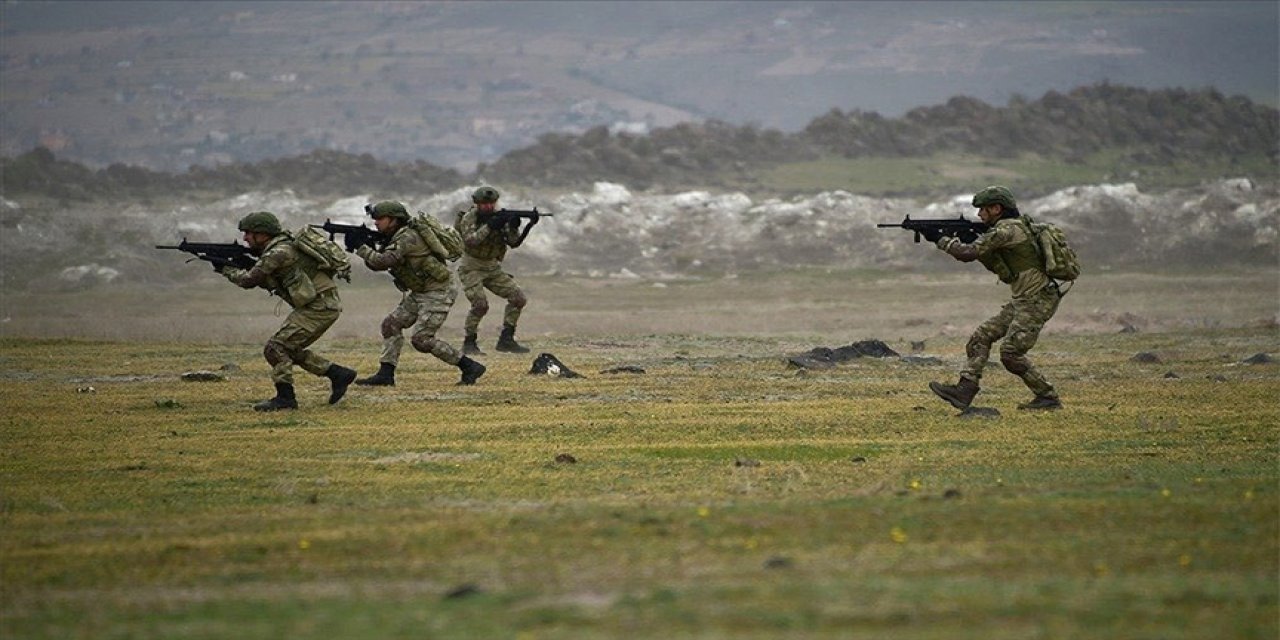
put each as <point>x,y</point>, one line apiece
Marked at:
<point>1144,127</point>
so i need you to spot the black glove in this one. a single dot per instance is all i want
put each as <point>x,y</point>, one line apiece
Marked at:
<point>513,223</point>
<point>932,235</point>
<point>218,267</point>
<point>350,242</point>
<point>495,222</point>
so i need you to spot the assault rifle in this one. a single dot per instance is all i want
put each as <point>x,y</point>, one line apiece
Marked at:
<point>962,228</point>
<point>511,217</point>
<point>231,254</point>
<point>354,235</point>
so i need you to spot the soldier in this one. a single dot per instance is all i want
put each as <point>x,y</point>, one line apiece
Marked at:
<point>294,276</point>
<point>1007,249</point>
<point>486,239</point>
<point>429,292</point>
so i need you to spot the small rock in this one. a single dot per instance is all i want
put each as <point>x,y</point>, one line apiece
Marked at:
<point>1128,328</point>
<point>858,459</point>
<point>917,345</point>
<point>980,412</point>
<point>565,458</point>
<point>462,591</point>
<point>1259,358</point>
<point>86,390</point>
<point>230,366</point>
<point>1171,376</point>
<point>626,368</point>
<point>777,562</point>
<point>1145,357</point>
<point>951,493</point>
<point>168,403</point>
<point>203,376</point>
<point>745,462</point>
<point>314,498</point>
<point>1217,377</point>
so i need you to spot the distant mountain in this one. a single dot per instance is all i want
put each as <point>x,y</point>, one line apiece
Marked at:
<point>167,85</point>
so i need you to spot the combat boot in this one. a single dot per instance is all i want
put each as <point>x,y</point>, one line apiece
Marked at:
<point>1042,403</point>
<point>385,377</point>
<point>470,346</point>
<point>959,394</point>
<point>284,399</point>
<point>471,370</point>
<point>340,378</point>
<point>507,342</point>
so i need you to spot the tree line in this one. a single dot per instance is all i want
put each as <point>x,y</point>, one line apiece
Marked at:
<point>1153,126</point>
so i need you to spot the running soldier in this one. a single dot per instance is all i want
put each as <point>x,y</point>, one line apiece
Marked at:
<point>296,278</point>
<point>486,239</point>
<point>1007,249</point>
<point>429,292</point>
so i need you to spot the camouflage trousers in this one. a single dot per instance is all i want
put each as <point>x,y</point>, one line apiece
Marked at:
<point>475,279</point>
<point>425,312</point>
<point>1019,323</point>
<point>304,326</point>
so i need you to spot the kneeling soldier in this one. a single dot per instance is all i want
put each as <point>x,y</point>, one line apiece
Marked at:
<point>429,292</point>
<point>294,276</point>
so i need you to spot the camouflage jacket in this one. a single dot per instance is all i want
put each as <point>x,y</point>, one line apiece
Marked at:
<point>285,272</point>
<point>483,246</point>
<point>1007,250</point>
<point>411,263</point>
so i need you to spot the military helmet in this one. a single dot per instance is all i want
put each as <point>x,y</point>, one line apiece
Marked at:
<point>387,209</point>
<point>484,194</point>
<point>261,222</point>
<point>995,194</point>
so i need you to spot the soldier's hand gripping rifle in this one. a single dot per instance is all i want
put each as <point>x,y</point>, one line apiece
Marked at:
<point>511,218</point>
<point>964,229</point>
<point>353,235</point>
<point>230,254</point>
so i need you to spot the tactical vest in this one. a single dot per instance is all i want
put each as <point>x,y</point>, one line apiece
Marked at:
<point>494,246</point>
<point>1007,262</point>
<point>300,280</point>
<point>419,269</point>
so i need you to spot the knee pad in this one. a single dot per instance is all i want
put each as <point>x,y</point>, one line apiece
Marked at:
<point>275,353</point>
<point>1015,364</point>
<point>391,328</point>
<point>479,307</point>
<point>518,300</point>
<point>423,343</point>
<point>976,346</point>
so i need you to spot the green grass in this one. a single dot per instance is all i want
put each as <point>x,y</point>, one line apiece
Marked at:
<point>944,174</point>
<point>864,508</point>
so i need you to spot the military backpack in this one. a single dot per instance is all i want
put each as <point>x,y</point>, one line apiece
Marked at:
<point>1060,261</point>
<point>329,256</point>
<point>443,242</point>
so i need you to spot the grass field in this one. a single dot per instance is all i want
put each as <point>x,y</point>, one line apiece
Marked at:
<point>945,175</point>
<point>719,494</point>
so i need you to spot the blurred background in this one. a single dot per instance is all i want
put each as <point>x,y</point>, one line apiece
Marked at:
<point>675,141</point>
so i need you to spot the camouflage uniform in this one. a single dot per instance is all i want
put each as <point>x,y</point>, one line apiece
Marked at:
<point>295,278</point>
<point>481,268</point>
<point>429,292</point>
<point>1008,250</point>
